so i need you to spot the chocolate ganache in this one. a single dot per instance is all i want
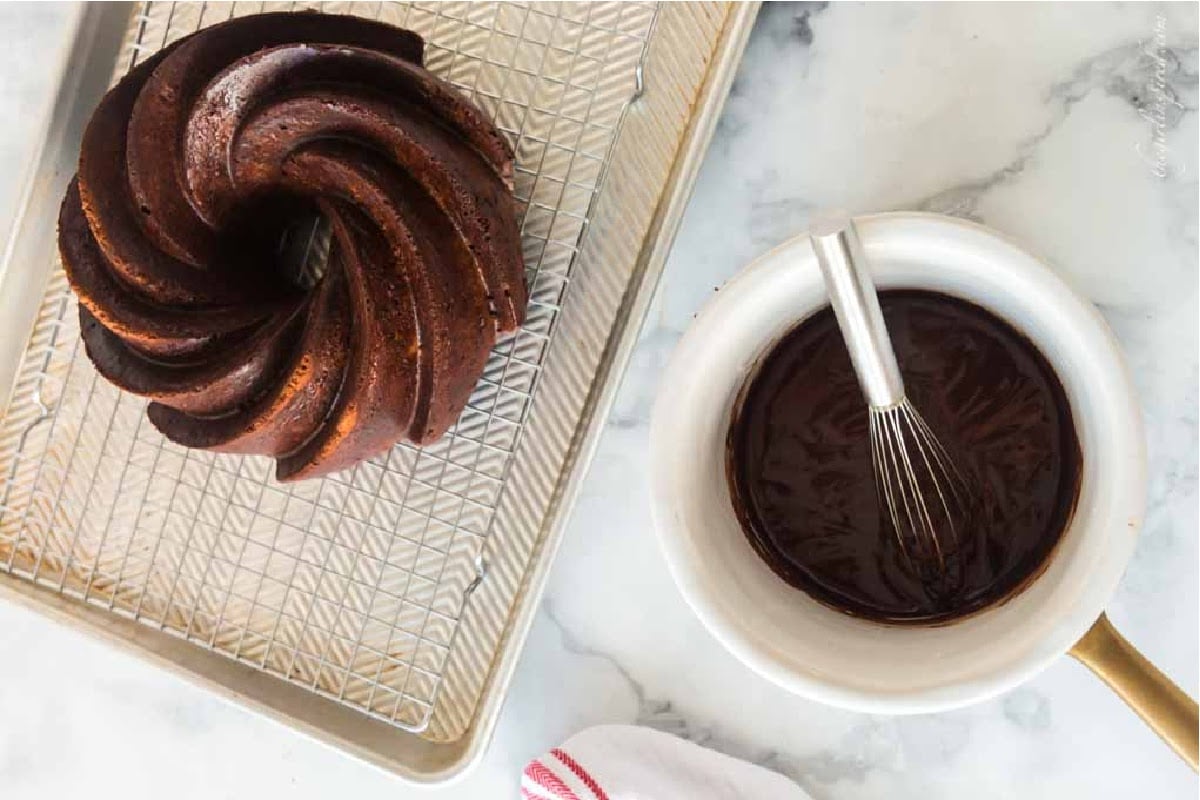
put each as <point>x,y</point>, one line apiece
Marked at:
<point>800,470</point>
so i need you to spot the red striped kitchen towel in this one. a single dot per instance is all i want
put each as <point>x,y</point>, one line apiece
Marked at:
<point>624,762</point>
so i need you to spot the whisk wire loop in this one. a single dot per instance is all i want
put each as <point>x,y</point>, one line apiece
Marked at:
<point>923,490</point>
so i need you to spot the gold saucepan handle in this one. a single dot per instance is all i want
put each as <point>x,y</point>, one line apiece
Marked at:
<point>1162,704</point>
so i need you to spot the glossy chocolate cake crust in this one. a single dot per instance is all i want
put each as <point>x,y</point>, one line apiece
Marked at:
<point>195,165</point>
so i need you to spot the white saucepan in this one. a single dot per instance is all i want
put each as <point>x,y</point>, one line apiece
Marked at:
<point>817,652</point>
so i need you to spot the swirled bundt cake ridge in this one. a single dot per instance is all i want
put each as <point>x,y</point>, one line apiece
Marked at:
<point>187,168</point>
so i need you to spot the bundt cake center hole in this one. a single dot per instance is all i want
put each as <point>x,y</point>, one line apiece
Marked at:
<point>285,232</point>
<point>304,249</point>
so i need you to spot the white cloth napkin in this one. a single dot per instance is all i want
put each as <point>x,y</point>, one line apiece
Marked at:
<point>624,762</point>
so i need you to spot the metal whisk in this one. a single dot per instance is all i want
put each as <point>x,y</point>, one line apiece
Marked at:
<point>926,494</point>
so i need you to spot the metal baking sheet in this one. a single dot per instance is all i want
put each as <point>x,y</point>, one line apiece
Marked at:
<point>382,608</point>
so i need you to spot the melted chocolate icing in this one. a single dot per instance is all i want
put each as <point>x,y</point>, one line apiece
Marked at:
<point>799,461</point>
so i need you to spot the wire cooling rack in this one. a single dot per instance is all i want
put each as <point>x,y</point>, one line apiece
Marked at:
<point>352,586</point>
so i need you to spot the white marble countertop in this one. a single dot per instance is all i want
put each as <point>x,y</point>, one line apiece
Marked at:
<point>1035,119</point>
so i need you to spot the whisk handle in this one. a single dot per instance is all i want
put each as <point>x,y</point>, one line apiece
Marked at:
<point>856,305</point>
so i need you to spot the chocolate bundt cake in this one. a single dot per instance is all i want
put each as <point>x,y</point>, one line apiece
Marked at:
<point>197,164</point>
